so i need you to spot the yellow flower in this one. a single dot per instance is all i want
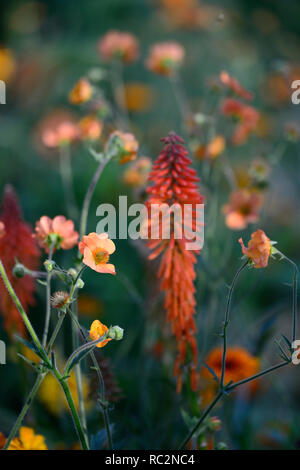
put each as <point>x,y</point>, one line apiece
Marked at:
<point>28,440</point>
<point>81,93</point>
<point>7,65</point>
<point>97,330</point>
<point>52,396</point>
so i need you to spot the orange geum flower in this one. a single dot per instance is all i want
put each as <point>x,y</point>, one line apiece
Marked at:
<point>243,208</point>
<point>81,92</point>
<point>235,86</point>
<point>97,331</point>
<point>138,172</point>
<point>28,440</point>
<point>129,146</point>
<point>59,232</point>
<point>63,134</point>
<point>119,45</point>
<point>164,58</point>
<point>90,128</point>
<point>216,146</point>
<point>259,249</point>
<point>2,229</point>
<point>96,250</point>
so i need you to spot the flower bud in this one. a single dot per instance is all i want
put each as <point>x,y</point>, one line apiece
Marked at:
<point>116,332</point>
<point>49,265</point>
<point>72,272</point>
<point>19,270</point>
<point>80,284</point>
<point>214,424</point>
<point>59,299</point>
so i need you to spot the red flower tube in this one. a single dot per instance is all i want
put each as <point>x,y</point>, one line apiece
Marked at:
<point>174,182</point>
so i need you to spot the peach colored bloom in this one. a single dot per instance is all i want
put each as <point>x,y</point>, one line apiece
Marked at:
<point>63,229</point>
<point>243,208</point>
<point>259,249</point>
<point>164,58</point>
<point>119,45</point>
<point>97,331</point>
<point>2,229</point>
<point>130,146</point>
<point>137,174</point>
<point>64,133</point>
<point>81,92</point>
<point>247,117</point>
<point>235,86</point>
<point>216,146</point>
<point>96,250</point>
<point>90,128</point>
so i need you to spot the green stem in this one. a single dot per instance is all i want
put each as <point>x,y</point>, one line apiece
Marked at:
<point>295,288</point>
<point>102,400</point>
<point>56,330</point>
<point>119,93</point>
<point>23,315</point>
<point>88,196</point>
<point>256,376</point>
<point>204,415</point>
<point>76,420</point>
<point>48,299</point>
<point>67,180</point>
<point>226,321</point>
<point>24,410</point>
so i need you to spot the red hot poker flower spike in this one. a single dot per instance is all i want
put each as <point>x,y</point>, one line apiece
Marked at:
<point>174,182</point>
<point>17,243</point>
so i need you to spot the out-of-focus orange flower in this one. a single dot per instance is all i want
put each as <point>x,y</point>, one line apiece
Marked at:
<point>2,440</point>
<point>97,331</point>
<point>216,146</point>
<point>57,128</point>
<point>259,249</point>
<point>17,243</point>
<point>129,148</point>
<point>240,365</point>
<point>7,64</point>
<point>175,182</point>
<point>243,208</point>
<point>247,117</point>
<point>119,45</point>
<point>96,250</point>
<point>137,173</point>
<point>2,229</point>
<point>81,92</point>
<point>90,128</point>
<point>235,86</point>
<point>28,440</point>
<point>89,306</point>
<point>165,58</point>
<point>138,97</point>
<point>58,231</point>
<point>189,14</point>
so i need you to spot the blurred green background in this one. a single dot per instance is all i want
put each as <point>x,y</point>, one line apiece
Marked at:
<point>53,44</point>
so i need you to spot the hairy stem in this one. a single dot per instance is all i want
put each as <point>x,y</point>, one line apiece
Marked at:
<point>48,299</point>
<point>88,196</point>
<point>226,321</point>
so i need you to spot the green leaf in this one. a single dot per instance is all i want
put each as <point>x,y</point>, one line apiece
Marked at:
<point>29,345</point>
<point>80,353</point>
